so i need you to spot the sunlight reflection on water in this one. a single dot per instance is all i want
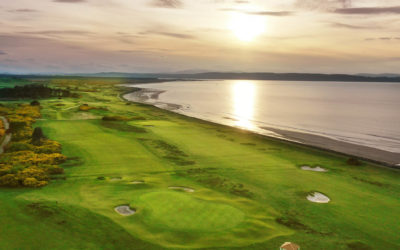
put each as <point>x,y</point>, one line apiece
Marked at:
<point>359,113</point>
<point>243,98</point>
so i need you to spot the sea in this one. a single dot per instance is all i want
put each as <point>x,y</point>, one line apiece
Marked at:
<point>361,113</point>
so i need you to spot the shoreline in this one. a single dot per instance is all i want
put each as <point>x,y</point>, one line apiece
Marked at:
<point>365,153</point>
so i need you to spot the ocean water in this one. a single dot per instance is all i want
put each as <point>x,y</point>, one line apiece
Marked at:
<point>365,114</point>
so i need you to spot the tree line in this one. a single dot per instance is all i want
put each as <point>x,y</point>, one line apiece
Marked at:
<point>34,91</point>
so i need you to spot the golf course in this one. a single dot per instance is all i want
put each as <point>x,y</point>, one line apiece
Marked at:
<point>189,184</point>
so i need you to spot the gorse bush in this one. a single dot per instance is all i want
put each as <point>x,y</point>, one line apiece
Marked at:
<point>2,129</point>
<point>30,158</point>
<point>48,147</point>
<point>32,182</point>
<point>9,180</point>
<point>85,107</point>
<point>19,146</point>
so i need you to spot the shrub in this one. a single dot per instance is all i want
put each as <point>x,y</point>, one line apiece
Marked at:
<point>85,107</point>
<point>19,146</point>
<point>9,180</point>
<point>20,135</point>
<point>32,172</point>
<point>4,169</point>
<point>56,158</point>
<point>30,158</point>
<point>52,169</point>
<point>17,123</point>
<point>32,182</point>
<point>35,103</point>
<point>28,111</point>
<point>48,147</point>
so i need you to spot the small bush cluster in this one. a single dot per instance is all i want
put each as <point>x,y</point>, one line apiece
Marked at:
<point>30,158</point>
<point>21,118</point>
<point>35,103</point>
<point>2,129</point>
<point>85,107</point>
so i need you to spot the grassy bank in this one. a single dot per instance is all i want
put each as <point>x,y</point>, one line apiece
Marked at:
<point>249,192</point>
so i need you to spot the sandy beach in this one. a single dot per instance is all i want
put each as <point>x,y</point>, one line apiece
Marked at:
<point>367,153</point>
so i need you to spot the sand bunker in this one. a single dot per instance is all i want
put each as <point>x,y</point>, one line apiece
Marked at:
<point>185,189</point>
<point>137,182</point>
<point>318,198</point>
<point>125,210</point>
<point>316,169</point>
<point>116,179</point>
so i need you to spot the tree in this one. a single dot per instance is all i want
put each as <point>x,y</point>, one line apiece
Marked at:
<point>35,103</point>
<point>37,136</point>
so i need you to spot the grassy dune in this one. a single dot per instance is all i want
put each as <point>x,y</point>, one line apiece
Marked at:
<point>249,191</point>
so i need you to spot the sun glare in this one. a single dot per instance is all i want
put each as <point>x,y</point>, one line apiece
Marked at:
<point>247,27</point>
<point>243,94</point>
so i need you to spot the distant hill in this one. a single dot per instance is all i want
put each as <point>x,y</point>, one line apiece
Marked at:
<point>379,75</point>
<point>240,76</point>
<point>259,76</point>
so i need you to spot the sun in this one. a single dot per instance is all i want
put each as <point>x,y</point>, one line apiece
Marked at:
<point>247,27</point>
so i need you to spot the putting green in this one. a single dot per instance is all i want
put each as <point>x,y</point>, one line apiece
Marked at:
<point>182,212</point>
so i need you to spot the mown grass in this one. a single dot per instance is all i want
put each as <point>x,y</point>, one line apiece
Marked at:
<point>249,191</point>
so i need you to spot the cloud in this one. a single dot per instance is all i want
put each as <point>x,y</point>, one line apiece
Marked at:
<point>58,32</point>
<point>24,10</point>
<point>168,34</point>
<point>369,10</point>
<point>349,26</point>
<point>177,35</point>
<point>69,1</point>
<point>135,51</point>
<point>322,4</point>
<point>260,13</point>
<point>384,38</point>
<point>167,3</point>
<point>270,13</point>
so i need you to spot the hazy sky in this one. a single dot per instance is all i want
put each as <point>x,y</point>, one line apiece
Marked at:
<point>328,36</point>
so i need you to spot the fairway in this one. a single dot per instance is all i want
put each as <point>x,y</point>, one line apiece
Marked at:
<point>192,184</point>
